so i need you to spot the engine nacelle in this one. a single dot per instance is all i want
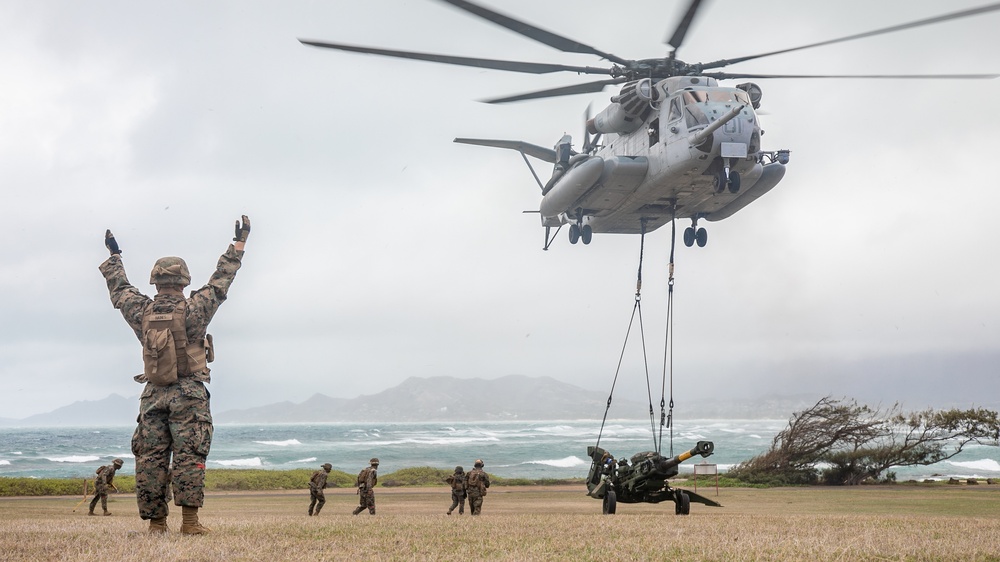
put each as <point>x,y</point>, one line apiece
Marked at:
<point>629,109</point>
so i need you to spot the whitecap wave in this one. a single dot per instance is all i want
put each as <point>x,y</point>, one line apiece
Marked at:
<point>284,443</point>
<point>310,459</point>
<point>74,458</point>
<point>988,465</point>
<point>4,463</point>
<point>568,462</point>
<point>435,441</point>
<point>241,462</point>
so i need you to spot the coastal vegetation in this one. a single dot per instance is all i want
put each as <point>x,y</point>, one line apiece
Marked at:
<point>841,442</point>
<point>229,479</point>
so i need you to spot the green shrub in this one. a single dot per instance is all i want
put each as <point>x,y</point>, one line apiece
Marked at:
<point>415,476</point>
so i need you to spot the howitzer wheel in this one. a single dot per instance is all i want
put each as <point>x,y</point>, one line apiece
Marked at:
<point>682,503</point>
<point>610,503</point>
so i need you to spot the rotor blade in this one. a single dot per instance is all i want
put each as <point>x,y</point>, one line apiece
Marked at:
<point>682,28</point>
<point>735,75</point>
<point>586,88</point>
<point>512,66</point>
<point>900,27</point>
<point>542,153</point>
<point>532,32</point>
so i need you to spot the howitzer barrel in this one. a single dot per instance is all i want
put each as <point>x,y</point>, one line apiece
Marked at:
<point>703,448</point>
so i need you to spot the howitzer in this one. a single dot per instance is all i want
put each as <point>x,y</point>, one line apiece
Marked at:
<point>642,479</point>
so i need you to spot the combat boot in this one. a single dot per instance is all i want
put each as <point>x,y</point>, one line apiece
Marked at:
<point>318,508</point>
<point>158,526</point>
<point>190,524</point>
<point>359,509</point>
<point>106,512</point>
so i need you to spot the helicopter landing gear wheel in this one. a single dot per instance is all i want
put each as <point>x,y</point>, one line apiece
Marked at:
<point>610,503</point>
<point>734,182</point>
<point>700,236</point>
<point>586,234</point>
<point>574,234</point>
<point>682,503</point>
<point>689,236</point>
<point>719,181</point>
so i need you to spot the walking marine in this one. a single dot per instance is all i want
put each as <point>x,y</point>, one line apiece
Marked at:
<point>457,482</point>
<point>367,479</point>
<point>174,432</point>
<point>477,482</point>
<point>317,498</point>
<point>105,478</point>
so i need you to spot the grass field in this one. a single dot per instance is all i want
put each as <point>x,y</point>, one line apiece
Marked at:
<point>901,522</point>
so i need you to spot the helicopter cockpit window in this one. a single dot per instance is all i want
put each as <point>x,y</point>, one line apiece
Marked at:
<point>695,96</point>
<point>693,115</point>
<point>723,96</point>
<point>675,110</point>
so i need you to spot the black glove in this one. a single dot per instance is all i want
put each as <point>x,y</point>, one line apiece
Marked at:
<point>242,231</point>
<point>109,241</point>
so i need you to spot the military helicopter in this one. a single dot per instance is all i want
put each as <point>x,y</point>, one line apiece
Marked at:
<point>673,143</point>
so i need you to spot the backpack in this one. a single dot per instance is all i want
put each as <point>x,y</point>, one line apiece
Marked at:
<point>165,349</point>
<point>476,481</point>
<point>363,476</point>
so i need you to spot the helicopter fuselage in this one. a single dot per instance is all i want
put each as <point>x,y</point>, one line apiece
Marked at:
<point>660,158</point>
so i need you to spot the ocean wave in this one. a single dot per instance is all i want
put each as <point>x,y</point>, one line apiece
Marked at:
<point>4,463</point>
<point>435,441</point>
<point>310,459</point>
<point>988,465</point>
<point>74,458</point>
<point>568,462</point>
<point>284,443</point>
<point>241,462</point>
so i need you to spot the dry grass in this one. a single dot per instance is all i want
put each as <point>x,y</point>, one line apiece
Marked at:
<point>548,523</point>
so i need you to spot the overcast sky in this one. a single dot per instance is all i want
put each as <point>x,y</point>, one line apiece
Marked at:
<point>381,250</point>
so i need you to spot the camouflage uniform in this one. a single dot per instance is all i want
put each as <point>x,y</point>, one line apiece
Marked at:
<point>367,479</point>
<point>477,483</point>
<point>457,482</point>
<point>175,419</point>
<point>317,498</point>
<point>105,478</point>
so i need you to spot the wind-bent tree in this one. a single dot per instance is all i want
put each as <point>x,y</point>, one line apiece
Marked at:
<point>854,443</point>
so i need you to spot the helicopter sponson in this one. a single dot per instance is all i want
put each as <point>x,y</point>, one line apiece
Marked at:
<point>586,173</point>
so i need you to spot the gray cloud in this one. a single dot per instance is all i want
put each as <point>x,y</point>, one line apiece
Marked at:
<point>381,250</point>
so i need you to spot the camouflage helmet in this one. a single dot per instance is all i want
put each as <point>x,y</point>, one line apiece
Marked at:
<point>459,470</point>
<point>374,461</point>
<point>170,270</point>
<point>118,462</point>
<point>479,463</point>
<point>327,466</point>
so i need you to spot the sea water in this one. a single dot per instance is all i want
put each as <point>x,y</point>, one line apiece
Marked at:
<point>510,449</point>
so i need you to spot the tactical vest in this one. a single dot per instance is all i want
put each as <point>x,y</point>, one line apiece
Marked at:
<point>166,353</point>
